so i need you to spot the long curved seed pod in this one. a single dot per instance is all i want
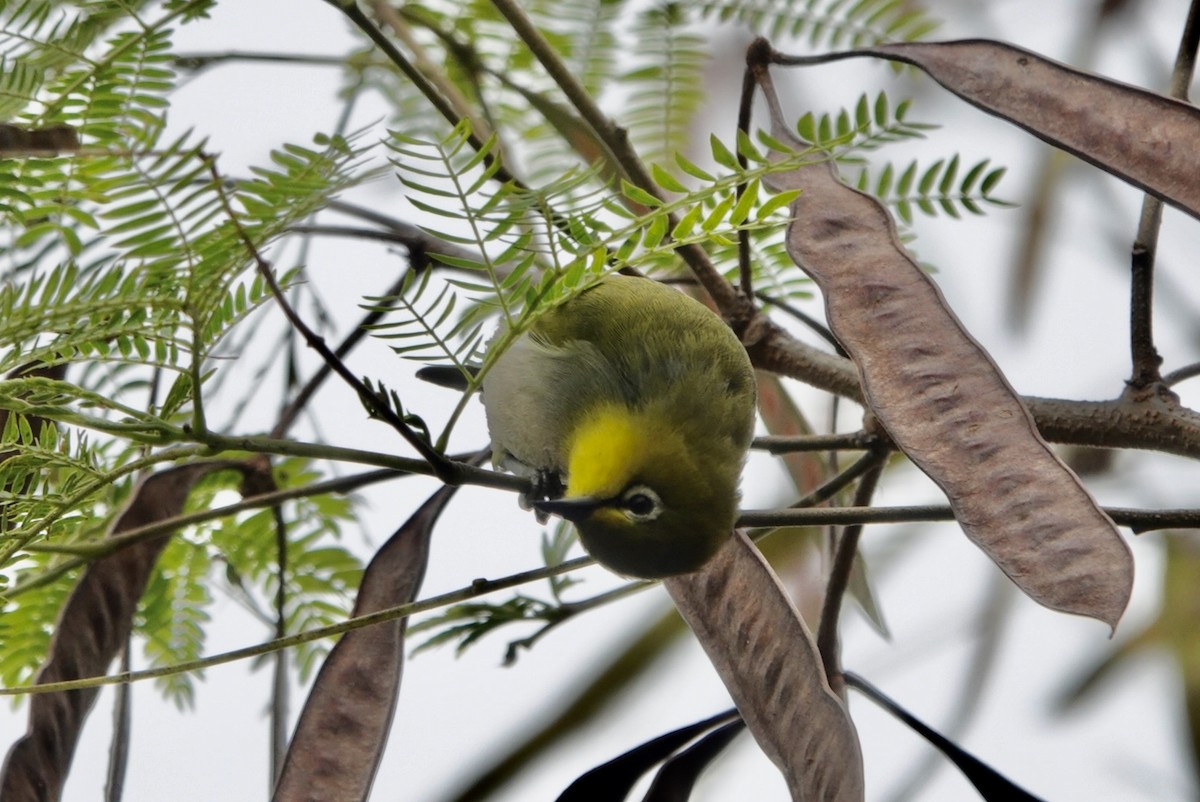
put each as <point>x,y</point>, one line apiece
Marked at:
<point>344,726</point>
<point>1144,138</point>
<point>945,403</point>
<point>768,661</point>
<point>92,626</point>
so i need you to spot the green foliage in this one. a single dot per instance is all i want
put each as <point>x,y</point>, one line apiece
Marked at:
<point>137,260</point>
<point>321,574</point>
<point>869,126</point>
<point>421,321</point>
<point>555,546</point>
<point>27,622</point>
<point>42,38</point>
<point>827,23</point>
<point>173,613</point>
<point>464,624</point>
<point>665,89</point>
<point>936,187</point>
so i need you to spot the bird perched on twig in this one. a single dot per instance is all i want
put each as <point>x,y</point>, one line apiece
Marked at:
<point>640,401</point>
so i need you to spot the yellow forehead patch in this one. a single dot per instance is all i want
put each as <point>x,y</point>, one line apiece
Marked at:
<point>607,451</point>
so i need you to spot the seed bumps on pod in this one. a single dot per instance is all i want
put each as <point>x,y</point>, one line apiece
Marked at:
<point>944,402</point>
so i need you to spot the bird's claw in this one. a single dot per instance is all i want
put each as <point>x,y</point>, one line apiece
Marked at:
<point>544,484</point>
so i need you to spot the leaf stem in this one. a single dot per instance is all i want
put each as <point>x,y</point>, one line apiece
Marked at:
<point>357,333</point>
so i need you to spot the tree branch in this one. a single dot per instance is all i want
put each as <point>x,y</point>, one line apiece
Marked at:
<point>1137,520</point>
<point>1145,356</point>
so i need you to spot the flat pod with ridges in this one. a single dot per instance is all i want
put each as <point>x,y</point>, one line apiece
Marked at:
<point>342,731</point>
<point>1144,138</point>
<point>760,647</point>
<point>92,627</point>
<point>945,403</point>
<point>1147,139</point>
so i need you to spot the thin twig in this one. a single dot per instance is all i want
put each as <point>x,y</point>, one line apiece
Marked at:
<point>1141,520</point>
<point>808,320</point>
<point>462,107</point>
<point>431,93</point>
<point>845,551</point>
<point>279,674</point>
<point>783,444</point>
<point>480,587</point>
<point>292,411</point>
<point>1145,357</point>
<point>423,248</point>
<point>745,110</point>
<point>85,553</point>
<point>195,62</point>
<point>841,480</point>
<point>1182,374</point>
<point>118,750</point>
<point>443,468</point>
<point>1143,354</point>
<point>1138,521</point>
<point>570,610</point>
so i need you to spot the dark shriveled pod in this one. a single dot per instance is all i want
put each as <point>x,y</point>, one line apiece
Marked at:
<point>944,402</point>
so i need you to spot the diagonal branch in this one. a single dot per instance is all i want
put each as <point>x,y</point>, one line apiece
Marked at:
<point>443,468</point>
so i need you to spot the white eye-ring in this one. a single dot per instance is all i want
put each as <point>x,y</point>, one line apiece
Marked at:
<point>641,504</point>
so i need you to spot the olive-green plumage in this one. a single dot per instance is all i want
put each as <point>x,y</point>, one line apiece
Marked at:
<point>643,400</point>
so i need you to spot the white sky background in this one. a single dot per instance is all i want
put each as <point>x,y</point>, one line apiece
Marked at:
<point>1127,744</point>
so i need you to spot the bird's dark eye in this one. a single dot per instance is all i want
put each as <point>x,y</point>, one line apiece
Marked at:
<point>641,503</point>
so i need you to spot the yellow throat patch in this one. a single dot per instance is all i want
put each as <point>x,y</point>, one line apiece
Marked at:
<point>610,446</point>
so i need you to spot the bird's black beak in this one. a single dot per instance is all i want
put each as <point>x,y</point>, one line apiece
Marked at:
<point>572,509</point>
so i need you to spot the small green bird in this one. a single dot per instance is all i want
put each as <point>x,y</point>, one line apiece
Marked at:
<point>644,400</point>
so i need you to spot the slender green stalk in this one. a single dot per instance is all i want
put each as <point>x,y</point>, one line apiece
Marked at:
<point>19,539</point>
<point>479,587</point>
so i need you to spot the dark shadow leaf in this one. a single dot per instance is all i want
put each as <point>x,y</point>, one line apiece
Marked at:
<point>91,629</point>
<point>612,781</point>
<point>676,779</point>
<point>991,784</point>
<point>344,726</point>
<point>945,403</point>
<point>768,661</point>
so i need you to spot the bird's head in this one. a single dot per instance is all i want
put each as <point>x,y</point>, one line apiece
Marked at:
<point>649,498</point>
